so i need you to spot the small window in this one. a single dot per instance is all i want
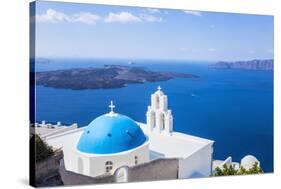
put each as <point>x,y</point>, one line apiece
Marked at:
<point>108,166</point>
<point>136,160</point>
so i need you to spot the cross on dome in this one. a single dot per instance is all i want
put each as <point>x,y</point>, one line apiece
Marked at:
<point>111,106</point>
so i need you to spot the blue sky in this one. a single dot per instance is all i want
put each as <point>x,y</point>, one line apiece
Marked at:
<point>98,31</point>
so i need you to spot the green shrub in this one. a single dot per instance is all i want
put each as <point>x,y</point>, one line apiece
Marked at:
<point>42,149</point>
<point>229,170</point>
<point>256,169</point>
<point>226,170</point>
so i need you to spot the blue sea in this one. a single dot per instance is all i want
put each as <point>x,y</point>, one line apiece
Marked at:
<point>232,107</point>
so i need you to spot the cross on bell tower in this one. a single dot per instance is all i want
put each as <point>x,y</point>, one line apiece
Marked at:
<point>159,88</point>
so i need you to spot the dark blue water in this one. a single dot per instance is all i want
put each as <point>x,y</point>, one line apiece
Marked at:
<point>232,107</point>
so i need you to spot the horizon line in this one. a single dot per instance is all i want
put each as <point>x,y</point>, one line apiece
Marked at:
<point>162,59</point>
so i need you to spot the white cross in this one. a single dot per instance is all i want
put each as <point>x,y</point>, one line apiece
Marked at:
<point>111,106</point>
<point>159,88</point>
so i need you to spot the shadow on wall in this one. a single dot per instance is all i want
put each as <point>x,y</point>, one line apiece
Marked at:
<point>160,169</point>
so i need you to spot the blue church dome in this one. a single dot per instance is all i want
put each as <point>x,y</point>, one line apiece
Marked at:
<point>111,133</point>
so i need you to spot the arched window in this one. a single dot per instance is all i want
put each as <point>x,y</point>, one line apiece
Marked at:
<point>121,174</point>
<point>136,160</point>
<point>163,121</point>
<point>153,119</point>
<point>108,166</point>
<point>157,102</point>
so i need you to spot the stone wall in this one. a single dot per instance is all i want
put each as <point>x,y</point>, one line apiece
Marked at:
<point>71,178</point>
<point>159,169</point>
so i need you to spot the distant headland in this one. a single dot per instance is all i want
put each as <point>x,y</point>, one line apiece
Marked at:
<point>266,64</point>
<point>109,76</point>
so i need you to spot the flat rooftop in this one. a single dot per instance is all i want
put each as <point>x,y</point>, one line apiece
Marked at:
<point>44,130</point>
<point>177,145</point>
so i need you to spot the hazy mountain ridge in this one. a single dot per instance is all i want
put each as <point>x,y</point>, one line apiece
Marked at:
<point>266,64</point>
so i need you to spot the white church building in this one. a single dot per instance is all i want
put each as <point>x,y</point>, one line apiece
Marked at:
<point>114,141</point>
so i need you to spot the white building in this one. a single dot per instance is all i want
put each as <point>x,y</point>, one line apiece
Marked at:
<point>247,162</point>
<point>112,141</point>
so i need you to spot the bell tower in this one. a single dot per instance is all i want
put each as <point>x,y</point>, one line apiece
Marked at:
<point>159,118</point>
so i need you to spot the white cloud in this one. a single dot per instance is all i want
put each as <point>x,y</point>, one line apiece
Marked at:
<point>54,16</point>
<point>190,50</point>
<point>152,10</point>
<point>212,49</point>
<point>270,51</point>
<point>122,17</point>
<point>150,18</point>
<point>125,17</point>
<point>86,18</point>
<point>194,13</point>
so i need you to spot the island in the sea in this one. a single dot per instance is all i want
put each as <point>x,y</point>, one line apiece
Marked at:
<point>266,64</point>
<point>109,76</point>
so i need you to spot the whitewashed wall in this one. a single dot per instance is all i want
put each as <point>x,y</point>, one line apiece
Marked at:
<point>94,165</point>
<point>198,164</point>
